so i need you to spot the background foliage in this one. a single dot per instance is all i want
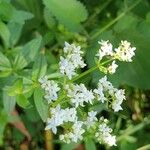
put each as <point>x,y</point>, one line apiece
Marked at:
<point>32,33</point>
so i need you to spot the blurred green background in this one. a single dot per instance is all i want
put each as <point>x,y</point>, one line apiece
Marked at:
<point>31,27</point>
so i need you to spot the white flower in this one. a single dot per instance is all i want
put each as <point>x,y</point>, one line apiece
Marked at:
<point>110,140</point>
<point>125,52</point>
<point>70,115</point>
<point>100,94</point>
<point>79,94</point>
<point>43,81</point>
<point>72,60</point>
<point>105,84</point>
<point>103,87</point>
<point>91,119</point>
<point>105,49</point>
<point>75,135</point>
<point>56,119</point>
<point>78,131</point>
<point>67,67</point>
<point>119,97</point>
<point>67,138</point>
<point>51,125</point>
<point>103,134</point>
<point>71,48</point>
<point>60,116</point>
<point>112,68</point>
<point>51,89</point>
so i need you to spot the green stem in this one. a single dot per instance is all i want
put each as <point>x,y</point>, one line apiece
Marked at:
<point>133,129</point>
<point>97,12</point>
<point>146,147</point>
<point>85,73</point>
<point>91,70</point>
<point>115,20</point>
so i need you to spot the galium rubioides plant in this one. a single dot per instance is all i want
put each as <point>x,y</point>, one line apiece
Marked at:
<point>70,104</point>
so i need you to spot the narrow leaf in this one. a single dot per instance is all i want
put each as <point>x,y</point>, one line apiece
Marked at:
<point>39,67</point>
<point>41,107</point>
<point>8,102</point>
<point>90,145</point>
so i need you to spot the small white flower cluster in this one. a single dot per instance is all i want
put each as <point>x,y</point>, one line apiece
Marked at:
<point>106,91</point>
<point>79,94</point>
<point>51,89</point>
<point>71,61</point>
<point>76,122</point>
<point>106,49</point>
<point>91,119</point>
<point>75,135</point>
<point>59,117</point>
<point>123,53</point>
<point>104,133</point>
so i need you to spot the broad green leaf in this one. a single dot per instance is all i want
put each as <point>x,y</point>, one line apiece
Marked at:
<point>127,146</point>
<point>70,146</point>
<point>41,107</point>
<point>27,54</point>
<point>31,49</point>
<point>6,1</point>
<point>8,102</point>
<point>32,114</point>
<point>90,145</point>
<point>39,67</point>
<point>4,34</point>
<point>15,32</point>
<point>6,11</point>
<point>20,16</point>
<point>49,19</point>
<point>22,101</point>
<point>68,12</point>
<point>148,17</point>
<point>125,23</point>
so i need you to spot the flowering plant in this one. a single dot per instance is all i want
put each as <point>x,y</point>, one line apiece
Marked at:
<point>70,104</point>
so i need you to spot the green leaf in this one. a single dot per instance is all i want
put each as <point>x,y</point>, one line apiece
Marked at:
<point>28,53</point>
<point>49,19</point>
<point>16,88</point>
<point>127,146</point>
<point>41,107</point>
<point>39,67</point>
<point>9,102</point>
<point>6,11</point>
<point>4,62</point>
<point>5,66</point>
<point>22,101</point>
<point>90,145</point>
<point>15,32</point>
<point>20,16</point>
<point>70,146</point>
<point>3,123</point>
<point>126,22</point>
<point>68,12</point>
<point>4,34</point>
